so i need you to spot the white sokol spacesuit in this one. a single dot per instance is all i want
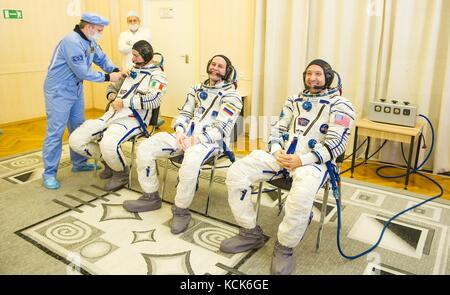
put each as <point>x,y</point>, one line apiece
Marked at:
<point>318,126</point>
<point>101,138</point>
<point>209,113</point>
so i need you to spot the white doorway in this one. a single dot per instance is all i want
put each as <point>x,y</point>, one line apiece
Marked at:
<point>173,24</point>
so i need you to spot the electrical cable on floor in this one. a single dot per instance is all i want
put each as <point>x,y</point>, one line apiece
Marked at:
<point>416,170</point>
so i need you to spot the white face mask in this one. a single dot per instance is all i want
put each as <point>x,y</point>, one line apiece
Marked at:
<point>95,37</point>
<point>133,27</point>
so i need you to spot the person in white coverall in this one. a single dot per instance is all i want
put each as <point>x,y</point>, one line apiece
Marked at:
<point>313,128</point>
<point>132,101</point>
<point>203,128</point>
<point>127,39</point>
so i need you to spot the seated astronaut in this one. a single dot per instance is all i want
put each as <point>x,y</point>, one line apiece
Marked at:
<point>132,100</point>
<point>203,128</point>
<point>313,128</point>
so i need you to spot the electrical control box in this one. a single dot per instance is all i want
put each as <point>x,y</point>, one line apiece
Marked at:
<point>393,112</point>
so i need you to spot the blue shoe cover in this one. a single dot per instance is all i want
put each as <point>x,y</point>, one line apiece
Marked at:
<point>85,167</point>
<point>51,183</point>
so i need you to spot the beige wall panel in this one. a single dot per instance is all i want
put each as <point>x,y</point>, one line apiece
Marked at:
<point>23,93</point>
<point>33,38</point>
<point>27,47</point>
<point>229,31</point>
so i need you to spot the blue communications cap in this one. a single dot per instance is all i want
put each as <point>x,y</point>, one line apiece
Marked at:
<point>94,19</point>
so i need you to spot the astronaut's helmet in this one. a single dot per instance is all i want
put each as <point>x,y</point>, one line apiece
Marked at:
<point>327,70</point>
<point>230,76</point>
<point>145,49</point>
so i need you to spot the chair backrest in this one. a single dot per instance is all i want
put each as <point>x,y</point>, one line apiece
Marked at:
<point>340,159</point>
<point>154,118</point>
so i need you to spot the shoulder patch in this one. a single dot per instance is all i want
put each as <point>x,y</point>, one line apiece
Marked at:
<point>342,120</point>
<point>155,84</point>
<point>302,121</point>
<point>78,59</point>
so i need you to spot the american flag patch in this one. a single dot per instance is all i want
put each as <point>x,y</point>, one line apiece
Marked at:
<point>229,109</point>
<point>342,120</point>
<point>157,85</point>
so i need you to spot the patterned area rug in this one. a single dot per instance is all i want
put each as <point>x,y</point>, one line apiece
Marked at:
<point>100,236</point>
<point>83,229</point>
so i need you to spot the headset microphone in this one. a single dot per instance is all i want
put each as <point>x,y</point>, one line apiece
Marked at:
<point>209,72</point>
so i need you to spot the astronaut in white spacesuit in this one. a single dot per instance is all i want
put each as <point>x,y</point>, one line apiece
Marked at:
<point>203,128</point>
<point>313,128</point>
<point>132,100</point>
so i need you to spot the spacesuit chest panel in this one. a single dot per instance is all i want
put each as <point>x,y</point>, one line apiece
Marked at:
<point>144,86</point>
<point>126,86</point>
<point>311,117</point>
<point>208,103</point>
<point>129,83</point>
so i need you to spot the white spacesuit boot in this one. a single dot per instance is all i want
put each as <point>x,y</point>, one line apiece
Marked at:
<point>118,180</point>
<point>247,239</point>
<point>180,220</point>
<point>282,260</point>
<point>107,172</point>
<point>147,202</point>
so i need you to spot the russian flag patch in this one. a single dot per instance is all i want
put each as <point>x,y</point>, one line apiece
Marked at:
<point>229,109</point>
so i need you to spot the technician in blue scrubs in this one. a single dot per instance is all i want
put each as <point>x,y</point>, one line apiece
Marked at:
<point>63,89</point>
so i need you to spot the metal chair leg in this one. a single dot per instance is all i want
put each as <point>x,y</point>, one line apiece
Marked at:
<point>322,215</point>
<point>157,169</point>
<point>130,167</point>
<point>280,203</point>
<point>163,189</point>
<point>258,200</point>
<point>95,170</point>
<point>211,178</point>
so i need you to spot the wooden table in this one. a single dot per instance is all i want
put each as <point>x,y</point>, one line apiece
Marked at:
<point>403,134</point>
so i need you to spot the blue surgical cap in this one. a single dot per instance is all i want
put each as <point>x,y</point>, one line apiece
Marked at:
<point>94,19</point>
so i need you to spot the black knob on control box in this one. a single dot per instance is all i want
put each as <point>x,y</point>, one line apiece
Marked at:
<point>394,101</point>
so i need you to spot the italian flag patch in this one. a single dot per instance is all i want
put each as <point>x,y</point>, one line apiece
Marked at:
<point>157,85</point>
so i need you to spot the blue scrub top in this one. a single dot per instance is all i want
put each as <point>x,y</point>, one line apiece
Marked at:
<point>72,60</point>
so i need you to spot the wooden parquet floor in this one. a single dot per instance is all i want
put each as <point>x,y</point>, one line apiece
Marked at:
<point>29,136</point>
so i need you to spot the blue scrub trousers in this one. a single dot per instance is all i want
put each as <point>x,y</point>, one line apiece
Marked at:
<point>64,106</point>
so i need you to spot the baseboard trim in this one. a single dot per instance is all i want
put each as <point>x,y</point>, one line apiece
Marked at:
<point>7,124</point>
<point>22,121</point>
